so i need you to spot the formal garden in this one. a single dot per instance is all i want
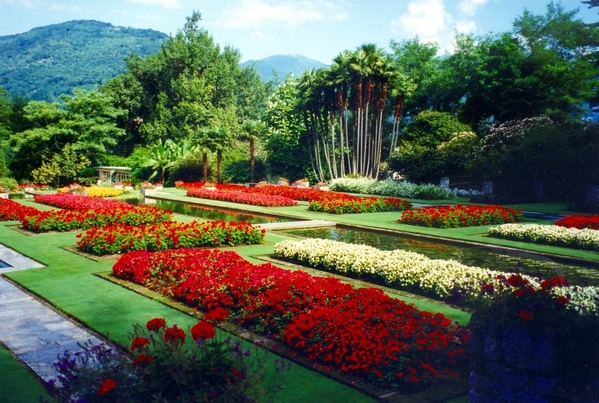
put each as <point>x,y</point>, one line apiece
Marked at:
<point>399,226</point>
<point>329,318</point>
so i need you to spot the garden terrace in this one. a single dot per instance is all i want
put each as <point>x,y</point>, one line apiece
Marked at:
<point>68,282</point>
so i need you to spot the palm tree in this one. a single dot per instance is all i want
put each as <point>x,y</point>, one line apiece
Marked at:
<point>252,130</point>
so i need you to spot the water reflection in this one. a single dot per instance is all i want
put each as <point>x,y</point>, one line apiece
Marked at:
<point>515,261</point>
<point>210,213</point>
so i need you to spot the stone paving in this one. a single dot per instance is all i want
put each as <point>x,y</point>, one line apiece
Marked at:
<point>33,331</point>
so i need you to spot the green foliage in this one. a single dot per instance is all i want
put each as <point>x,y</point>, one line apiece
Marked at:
<point>562,156</point>
<point>86,121</point>
<point>62,169</point>
<point>434,144</point>
<point>431,128</point>
<point>8,183</point>
<point>49,61</point>
<point>286,139</point>
<point>391,188</point>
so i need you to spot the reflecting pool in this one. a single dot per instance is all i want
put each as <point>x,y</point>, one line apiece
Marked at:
<point>487,257</point>
<point>211,213</point>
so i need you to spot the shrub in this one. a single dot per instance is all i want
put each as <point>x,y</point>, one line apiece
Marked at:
<point>168,368</point>
<point>9,183</point>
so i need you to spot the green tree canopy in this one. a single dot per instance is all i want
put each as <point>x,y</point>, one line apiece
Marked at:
<point>86,121</point>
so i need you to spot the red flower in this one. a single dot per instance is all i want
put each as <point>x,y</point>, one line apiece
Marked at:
<point>561,300</point>
<point>218,315</point>
<point>143,359</point>
<point>155,324</point>
<point>106,387</point>
<point>202,330</point>
<point>527,315</point>
<point>519,292</point>
<point>139,342</point>
<point>516,280</point>
<point>559,281</point>
<point>174,335</point>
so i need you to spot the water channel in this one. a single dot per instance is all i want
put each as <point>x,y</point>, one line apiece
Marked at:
<point>211,213</point>
<point>480,256</point>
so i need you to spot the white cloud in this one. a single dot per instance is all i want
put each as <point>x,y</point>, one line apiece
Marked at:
<point>254,14</point>
<point>428,19</point>
<point>465,26</point>
<point>162,3</point>
<point>469,7</point>
<point>25,3</point>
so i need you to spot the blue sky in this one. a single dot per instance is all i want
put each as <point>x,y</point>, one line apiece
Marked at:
<point>318,29</point>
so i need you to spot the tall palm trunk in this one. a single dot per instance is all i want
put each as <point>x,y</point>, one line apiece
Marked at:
<point>205,165</point>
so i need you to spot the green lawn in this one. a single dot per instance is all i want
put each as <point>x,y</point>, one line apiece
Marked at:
<point>69,284</point>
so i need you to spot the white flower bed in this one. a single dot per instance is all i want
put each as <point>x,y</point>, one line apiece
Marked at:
<point>548,234</point>
<point>443,278</point>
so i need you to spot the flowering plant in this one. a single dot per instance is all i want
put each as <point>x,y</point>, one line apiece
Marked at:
<point>167,367</point>
<point>256,199</point>
<point>579,221</point>
<point>11,210</point>
<point>585,238</point>
<point>460,216</point>
<point>357,331</point>
<point>120,238</point>
<point>82,212</point>
<point>147,185</point>
<point>548,304</point>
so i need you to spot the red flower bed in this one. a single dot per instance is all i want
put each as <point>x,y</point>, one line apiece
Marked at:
<point>579,221</point>
<point>256,199</point>
<point>357,331</point>
<point>460,216</point>
<point>119,238</point>
<point>11,210</point>
<point>69,201</point>
<point>321,201</point>
<point>340,203</point>
<point>83,212</point>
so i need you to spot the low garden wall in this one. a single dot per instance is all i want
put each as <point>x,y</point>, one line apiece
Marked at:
<point>517,362</point>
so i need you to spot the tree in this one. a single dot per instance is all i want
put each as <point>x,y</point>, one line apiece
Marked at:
<point>253,130</point>
<point>61,169</point>
<point>563,51</point>
<point>431,145</point>
<point>286,137</point>
<point>85,120</point>
<point>345,112</point>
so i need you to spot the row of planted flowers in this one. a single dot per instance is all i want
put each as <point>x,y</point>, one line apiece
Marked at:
<point>445,279</point>
<point>357,331</point>
<point>320,201</point>
<point>14,211</point>
<point>83,212</point>
<point>579,221</point>
<point>460,216</point>
<point>255,199</point>
<point>555,235</point>
<point>121,238</point>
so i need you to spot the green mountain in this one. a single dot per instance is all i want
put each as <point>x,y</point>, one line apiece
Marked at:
<point>282,65</point>
<point>52,60</point>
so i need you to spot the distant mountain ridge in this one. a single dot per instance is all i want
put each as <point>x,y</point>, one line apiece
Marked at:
<point>48,61</point>
<point>282,65</point>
